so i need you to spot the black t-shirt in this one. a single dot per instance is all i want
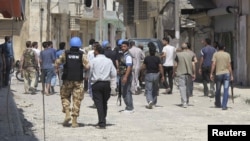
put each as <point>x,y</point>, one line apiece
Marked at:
<point>111,55</point>
<point>152,64</point>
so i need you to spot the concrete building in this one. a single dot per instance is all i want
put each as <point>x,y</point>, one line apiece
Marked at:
<point>59,20</point>
<point>110,24</point>
<point>225,21</point>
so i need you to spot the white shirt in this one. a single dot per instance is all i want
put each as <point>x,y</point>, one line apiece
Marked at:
<point>170,55</point>
<point>37,52</point>
<point>91,55</point>
<point>101,69</point>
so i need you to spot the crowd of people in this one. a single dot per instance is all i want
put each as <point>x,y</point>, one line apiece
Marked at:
<point>103,71</point>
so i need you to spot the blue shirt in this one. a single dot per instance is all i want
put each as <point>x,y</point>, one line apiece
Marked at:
<point>8,50</point>
<point>207,53</point>
<point>101,69</point>
<point>48,58</point>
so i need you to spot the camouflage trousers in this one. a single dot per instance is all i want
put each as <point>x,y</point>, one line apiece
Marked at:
<point>29,76</point>
<point>72,89</point>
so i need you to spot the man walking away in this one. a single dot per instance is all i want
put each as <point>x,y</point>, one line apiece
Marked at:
<point>47,59</point>
<point>53,80</point>
<point>168,56</point>
<point>185,71</point>
<point>74,64</point>
<point>137,55</point>
<point>205,65</point>
<point>223,75</point>
<point>153,66</point>
<point>29,64</point>
<point>101,72</point>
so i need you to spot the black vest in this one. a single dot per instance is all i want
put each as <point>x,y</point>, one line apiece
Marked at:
<point>73,68</point>
<point>122,63</point>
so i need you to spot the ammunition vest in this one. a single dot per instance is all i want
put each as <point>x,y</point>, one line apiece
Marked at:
<point>122,64</point>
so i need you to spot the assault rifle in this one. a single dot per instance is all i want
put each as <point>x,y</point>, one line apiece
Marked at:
<point>119,98</point>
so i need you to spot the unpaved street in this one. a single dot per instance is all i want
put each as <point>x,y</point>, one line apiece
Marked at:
<point>166,122</point>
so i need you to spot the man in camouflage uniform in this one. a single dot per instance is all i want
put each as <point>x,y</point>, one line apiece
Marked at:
<point>29,64</point>
<point>74,64</point>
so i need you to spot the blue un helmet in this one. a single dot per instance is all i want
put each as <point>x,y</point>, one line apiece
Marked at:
<point>105,43</point>
<point>120,42</point>
<point>75,42</point>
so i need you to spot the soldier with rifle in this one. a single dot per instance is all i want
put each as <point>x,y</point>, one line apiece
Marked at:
<point>125,69</point>
<point>119,55</point>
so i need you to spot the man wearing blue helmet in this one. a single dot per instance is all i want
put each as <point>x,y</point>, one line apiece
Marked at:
<point>118,48</point>
<point>75,62</point>
<point>119,55</point>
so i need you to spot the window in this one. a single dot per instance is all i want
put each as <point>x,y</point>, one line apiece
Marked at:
<point>88,3</point>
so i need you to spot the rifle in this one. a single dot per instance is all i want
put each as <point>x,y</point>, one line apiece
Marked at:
<point>119,91</point>
<point>232,87</point>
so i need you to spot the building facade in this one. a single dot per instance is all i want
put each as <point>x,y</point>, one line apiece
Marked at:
<point>225,21</point>
<point>59,20</point>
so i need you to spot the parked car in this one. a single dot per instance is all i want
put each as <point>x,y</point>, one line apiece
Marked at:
<point>144,42</point>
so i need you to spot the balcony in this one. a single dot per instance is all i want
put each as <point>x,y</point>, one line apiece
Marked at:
<point>110,15</point>
<point>87,13</point>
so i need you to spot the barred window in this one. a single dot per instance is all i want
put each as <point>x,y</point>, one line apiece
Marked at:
<point>140,10</point>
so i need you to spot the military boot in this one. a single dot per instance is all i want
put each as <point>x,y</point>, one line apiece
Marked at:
<point>67,118</point>
<point>74,122</point>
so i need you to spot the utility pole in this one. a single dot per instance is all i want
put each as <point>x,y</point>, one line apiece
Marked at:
<point>41,22</point>
<point>48,20</point>
<point>177,22</point>
<point>101,19</point>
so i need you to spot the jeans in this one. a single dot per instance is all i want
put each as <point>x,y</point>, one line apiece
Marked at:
<point>222,79</point>
<point>127,94</point>
<point>152,87</point>
<point>168,72</point>
<point>206,79</point>
<point>185,87</point>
